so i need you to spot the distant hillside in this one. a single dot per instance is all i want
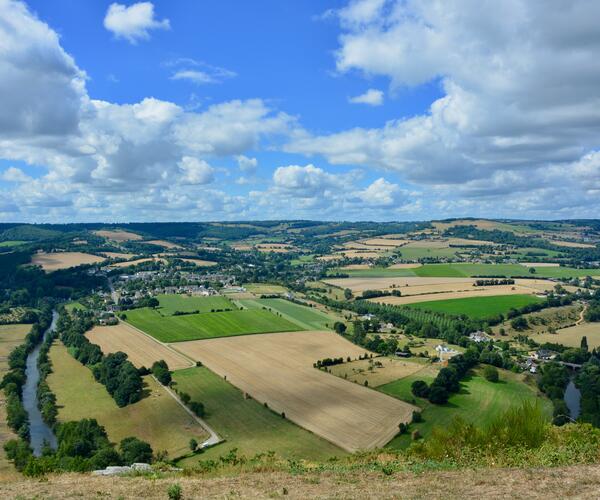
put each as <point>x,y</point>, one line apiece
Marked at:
<point>28,233</point>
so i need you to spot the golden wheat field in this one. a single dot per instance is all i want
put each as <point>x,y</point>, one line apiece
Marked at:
<point>63,260</point>
<point>141,349</point>
<point>277,369</point>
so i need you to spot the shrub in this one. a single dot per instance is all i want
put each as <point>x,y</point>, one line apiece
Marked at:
<point>417,417</point>
<point>135,450</point>
<point>174,492</point>
<point>491,373</point>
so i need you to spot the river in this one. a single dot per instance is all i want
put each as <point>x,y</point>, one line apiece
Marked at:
<point>38,430</point>
<point>573,400</point>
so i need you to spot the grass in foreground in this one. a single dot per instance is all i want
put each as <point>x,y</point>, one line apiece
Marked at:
<point>157,419</point>
<point>479,401</point>
<point>477,307</point>
<point>170,303</point>
<point>208,325</point>
<point>307,317</point>
<point>245,424</point>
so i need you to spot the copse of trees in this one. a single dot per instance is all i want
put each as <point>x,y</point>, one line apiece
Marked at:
<point>160,370</point>
<point>121,379</point>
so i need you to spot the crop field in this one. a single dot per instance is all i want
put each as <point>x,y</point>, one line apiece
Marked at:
<point>246,424</point>
<point>479,401</point>
<point>278,370</point>
<point>135,262</point>
<point>264,288</point>
<point>571,244</point>
<point>170,303</point>
<point>63,260</point>
<point>118,255</point>
<point>157,419</point>
<point>162,243</point>
<point>478,307</point>
<point>10,337</point>
<point>118,236</point>
<point>571,337</point>
<point>141,349</point>
<point>207,325</point>
<point>385,242</point>
<point>404,284</point>
<point>378,371</point>
<point>308,318</point>
<point>200,262</point>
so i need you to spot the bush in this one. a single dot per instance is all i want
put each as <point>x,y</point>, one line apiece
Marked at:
<point>160,370</point>
<point>491,373</point>
<point>417,417</point>
<point>135,450</point>
<point>174,492</point>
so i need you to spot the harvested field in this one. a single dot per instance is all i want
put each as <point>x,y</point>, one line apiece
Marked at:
<point>540,264</point>
<point>365,254</point>
<point>118,255</point>
<point>157,419</point>
<point>405,266</point>
<point>470,293</point>
<point>63,260</point>
<point>428,244</point>
<point>328,258</point>
<point>571,337</point>
<point>377,371</point>
<point>141,349</point>
<point>361,284</point>
<point>242,248</point>
<point>278,370</point>
<point>357,245</point>
<point>385,242</point>
<point>356,266</point>
<point>468,242</point>
<point>162,243</point>
<point>200,262</point>
<point>571,244</point>
<point>118,236</point>
<point>136,262</point>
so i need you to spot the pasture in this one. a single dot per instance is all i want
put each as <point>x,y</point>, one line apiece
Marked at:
<point>306,317</point>
<point>207,325</point>
<point>141,349</point>
<point>264,288</point>
<point>63,260</point>
<point>278,370</point>
<point>10,337</point>
<point>571,337</point>
<point>478,401</point>
<point>157,419</point>
<point>478,307</point>
<point>170,303</point>
<point>378,371</point>
<point>11,243</point>
<point>540,322</point>
<point>246,424</point>
<point>118,235</point>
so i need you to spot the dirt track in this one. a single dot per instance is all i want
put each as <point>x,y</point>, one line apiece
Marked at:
<point>278,369</point>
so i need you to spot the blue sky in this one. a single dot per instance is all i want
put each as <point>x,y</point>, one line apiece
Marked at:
<point>368,109</point>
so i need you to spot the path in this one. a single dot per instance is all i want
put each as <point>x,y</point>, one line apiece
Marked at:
<point>581,315</point>
<point>214,437</point>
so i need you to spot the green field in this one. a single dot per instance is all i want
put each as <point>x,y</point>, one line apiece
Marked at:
<point>306,317</point>
<point>207,325</point>
<point>12,243</point>
<point>464,270</point>
<point>479,401</point>
<point>477,307</point>
<point>157,418</point>
<point>183,303</point>
<point>264,288</point>
<point>246,424</point>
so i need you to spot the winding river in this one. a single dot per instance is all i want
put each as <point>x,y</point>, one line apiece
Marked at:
<point>38,429</point>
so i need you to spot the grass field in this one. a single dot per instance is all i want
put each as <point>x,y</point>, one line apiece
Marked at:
<point>157,419</point>
<point>571,337</point>
<point>479,401</point>
<point>278,370</point>
<point>246,424</point>
<point>141,349</point>
<point>264,288</point>
<point>378,371</point>
<point>207,325</point>
<point>10,337</point>
<point>478,307</point>
<point>11,243</point>
<point>540,322</point>
<point>184,303</point>
<point>306,317</point>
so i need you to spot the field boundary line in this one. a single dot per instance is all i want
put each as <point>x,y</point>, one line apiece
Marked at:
<point>174,351</point>
<point>214,438</point>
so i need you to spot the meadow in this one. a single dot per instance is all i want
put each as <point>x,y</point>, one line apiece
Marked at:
<point>571,337</point>
<point>207,325</point>
<point>11,243</point>
<point>246,424</point>
<point>170,303</point>
<point>478,401</point>
<point>477,307</point>
<point>306,317</point>
<point>157,418</point>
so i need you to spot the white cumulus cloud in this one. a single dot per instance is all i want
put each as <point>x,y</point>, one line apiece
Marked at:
<point>373,97</point>
<point>133,23</point>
